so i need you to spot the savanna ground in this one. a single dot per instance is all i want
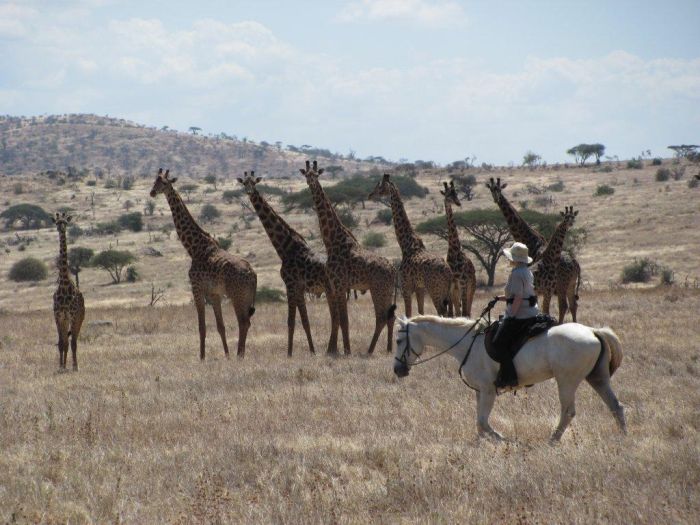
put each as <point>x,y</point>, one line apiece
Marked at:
<point>146,433</point>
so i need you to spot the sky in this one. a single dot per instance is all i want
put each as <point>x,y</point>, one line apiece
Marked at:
<point>439,80</point>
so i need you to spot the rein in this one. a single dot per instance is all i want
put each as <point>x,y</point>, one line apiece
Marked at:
<point>404,357</point>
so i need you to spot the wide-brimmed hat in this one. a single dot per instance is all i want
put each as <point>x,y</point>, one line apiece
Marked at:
<point>517,253</point>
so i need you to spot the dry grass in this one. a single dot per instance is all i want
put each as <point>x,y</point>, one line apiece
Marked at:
<point>145,433</point>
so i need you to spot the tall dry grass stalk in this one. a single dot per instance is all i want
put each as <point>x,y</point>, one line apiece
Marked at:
<point>145,433</point>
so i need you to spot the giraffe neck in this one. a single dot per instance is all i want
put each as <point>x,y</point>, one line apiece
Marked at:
<point>283,237</point>
<point>521,230</point>
<point>454,247</point>
<point>196,241</point>
<point>63,272</point>
<point>552,252</point>
<point>409,241</point>
<point>333,231</point>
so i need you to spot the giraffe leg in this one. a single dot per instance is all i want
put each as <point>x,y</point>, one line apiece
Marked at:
<point>546,298</point>
<point>305,323</point>
<point>407,299</point>
<point>342,310</point>
<point>291,321</point>
<point>573,298</point>
<point>242,309</point>
<point>75,332</point>
<point>199,305</point>
<point>216,304</point>
<point>466,306</point>
<point>332,308</point>
<point>454,308</point>
<point>62,342</point>
<point>562,303</point>
<point>420,299</point>
<point>471,290</point>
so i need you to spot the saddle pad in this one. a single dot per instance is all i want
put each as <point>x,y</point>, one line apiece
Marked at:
<point>537,325</point>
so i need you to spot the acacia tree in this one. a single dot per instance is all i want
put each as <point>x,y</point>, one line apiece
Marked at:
<point>683,150</point>
<point>531,159</point>
<point>187,189</point>
<point>78,258</point>
<point>29,215</point>
<point>487,233</point>
<point>113,262</point>
<point>211,179</point>
<point>583,152</point>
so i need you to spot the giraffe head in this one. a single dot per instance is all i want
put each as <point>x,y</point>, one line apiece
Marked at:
<point>311,172</point>
<point>61,221</point>
<point>382,189</point>
<point>450,194</point>
<point>162,181</point>
<point>569,215</point>
<point>496,189</point>
<point>249,182</point>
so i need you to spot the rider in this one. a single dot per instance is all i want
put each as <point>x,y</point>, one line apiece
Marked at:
<point>521,307</point>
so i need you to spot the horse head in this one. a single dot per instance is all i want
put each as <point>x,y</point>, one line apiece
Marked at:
<point>409,346</point>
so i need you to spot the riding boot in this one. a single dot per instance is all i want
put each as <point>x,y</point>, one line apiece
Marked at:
<point>507,376</point>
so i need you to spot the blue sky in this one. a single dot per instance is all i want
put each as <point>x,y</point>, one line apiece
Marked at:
<point>418,79</point>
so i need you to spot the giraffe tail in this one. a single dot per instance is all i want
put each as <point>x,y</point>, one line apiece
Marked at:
<point>578,285</point>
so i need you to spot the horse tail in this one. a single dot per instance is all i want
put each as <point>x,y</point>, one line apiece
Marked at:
<point>609,340</point>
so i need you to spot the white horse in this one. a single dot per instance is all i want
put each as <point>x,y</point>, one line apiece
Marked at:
<point>569,353</point>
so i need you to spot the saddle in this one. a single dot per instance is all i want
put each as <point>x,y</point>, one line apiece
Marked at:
<point>530,328</point>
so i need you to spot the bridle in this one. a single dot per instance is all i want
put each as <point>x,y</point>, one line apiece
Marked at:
<point>409,349</point>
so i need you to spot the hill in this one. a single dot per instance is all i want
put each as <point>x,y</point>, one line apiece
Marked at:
<point>119,147</point>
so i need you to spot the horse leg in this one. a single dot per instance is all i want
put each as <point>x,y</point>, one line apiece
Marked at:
<point>567,400</point>
<point>602,387</point>
<point>484,405</point>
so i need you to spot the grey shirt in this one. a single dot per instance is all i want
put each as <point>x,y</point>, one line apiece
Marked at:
<point>521,282</point>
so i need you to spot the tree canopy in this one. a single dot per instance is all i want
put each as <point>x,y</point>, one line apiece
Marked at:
<point>113,262</point>
<point>30,216</point>
<point>354,190</point>
<point>583,152</point>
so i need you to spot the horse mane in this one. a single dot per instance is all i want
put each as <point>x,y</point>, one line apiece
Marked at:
<point>449,321</point>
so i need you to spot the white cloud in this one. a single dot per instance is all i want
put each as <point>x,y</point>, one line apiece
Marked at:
<point>431,13</point>
<point>15,20</point>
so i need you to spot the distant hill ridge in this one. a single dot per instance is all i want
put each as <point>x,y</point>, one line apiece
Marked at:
<point>31,145</point>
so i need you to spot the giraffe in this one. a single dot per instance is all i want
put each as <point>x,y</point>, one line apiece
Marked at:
<point>302,271</point>
<point>545,270</point>
<point>214,272</point>
<point>462,267</point>
<point>68,303</point>
<point>352,267</point>
<point>419,271</point>
<point>564,280</point>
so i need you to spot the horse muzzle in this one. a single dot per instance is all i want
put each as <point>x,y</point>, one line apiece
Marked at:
<point>401,370</point>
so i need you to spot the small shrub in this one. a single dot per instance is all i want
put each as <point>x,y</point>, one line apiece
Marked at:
<point>110,184</point>
<point>606,169</point>
<point>635,164</point>
<point>557,186</point>
<point>224,242</point>
<point>132,274</point>
<point>693,183</point>
<point>91,182</point>
<point>127,182</point>
<point>75,231</point>
<point>668,276</point>
<point>28,269</point>
<point>663,174</point>
<point>18,189</point>
<point>374,240</point>
<point>266,294</point>
<point>131,221</point>
<point>230,195</point>
<point>656,161</point>
<point>604,189</point>
<point>678,172</point>
<point>385,216</point>
<point>107,228</point>
<point>347,218</point>
<point>209,212</point>
<point>640,271</point>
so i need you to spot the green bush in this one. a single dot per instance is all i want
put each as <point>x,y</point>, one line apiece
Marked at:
<point>663,174</point>
<point>18,189</point>
<point>75,231</point>
<point>693,183</point>
<point>656,161</point>
<point>132,274</point>
<point>635,164</point>
<point>374,240</point>
<point>28,269</point>
<point>347,218</point>
<point>557,186</point>
<point>113,262</point>
<point>224,242</point>
<point>209,212</point>
<point>266,294</point>
<point>668,277</point>
<point>131,221</point>
<point>127,182</point>
<point>229,195</point>
<point>107,228</point>
<point>639,271</point>
<point>604,189</point>
<point>91,182</point>
<point>30,216</point>
<point>385,216</point>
